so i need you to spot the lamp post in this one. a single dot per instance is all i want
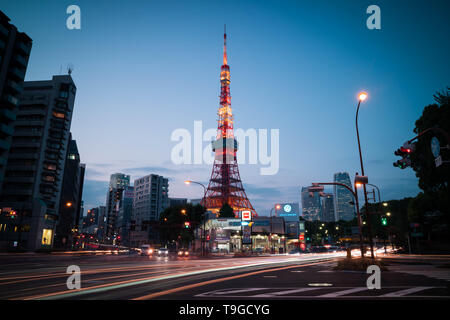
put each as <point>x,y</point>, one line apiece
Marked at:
<point>204,216</point>
<point>361,97</point>
<point>276,207</point>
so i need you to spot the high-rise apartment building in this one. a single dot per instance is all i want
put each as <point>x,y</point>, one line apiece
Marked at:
<point>178,202</point>
<point>343,198</point>
<point>117,183</point>
<point>15,50</point>
<point>125,214</point>
<point>311,206</point>
<point>36,162</point>
<point>101,222</point>
<point>150,199</point>
<point>71,196</point>
<point>328,214</point>
<point>90,222</point>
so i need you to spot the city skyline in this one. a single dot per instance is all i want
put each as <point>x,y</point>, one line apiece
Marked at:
<point>310,94</point>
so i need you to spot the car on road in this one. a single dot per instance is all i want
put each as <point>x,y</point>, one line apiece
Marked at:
<point>183,252</point>
<point>163,252</point>
<point>298,251</point>
<point>334,249</point>
<point>319,249</point>
<point>146,250</point>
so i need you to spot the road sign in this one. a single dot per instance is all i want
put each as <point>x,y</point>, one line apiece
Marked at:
<point>435,147</point>
<point>246,215</point>
<point>246,235</point>
<point>438,161</point>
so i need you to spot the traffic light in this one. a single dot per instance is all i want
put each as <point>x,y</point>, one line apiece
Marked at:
<point>384,221</point>
<point>187,224</point>
<point>13,214</point>
<point>404,152</point>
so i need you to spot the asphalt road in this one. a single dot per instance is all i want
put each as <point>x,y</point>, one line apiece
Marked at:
<point>311,276</point>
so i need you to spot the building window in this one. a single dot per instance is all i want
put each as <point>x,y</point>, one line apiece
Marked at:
<point>49,178</point>
<point>59,115</point>
<point>47,235</point>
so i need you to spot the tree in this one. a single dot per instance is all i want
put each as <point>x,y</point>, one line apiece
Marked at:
<point>172,223</point>
<point>226,211</point>
<point>432,179</point>
<point>432,206</point>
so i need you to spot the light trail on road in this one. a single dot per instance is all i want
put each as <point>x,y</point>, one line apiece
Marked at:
<point>140,273</point>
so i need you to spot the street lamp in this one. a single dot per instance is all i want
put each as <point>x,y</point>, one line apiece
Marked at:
<point>361,97</point>
<point>188,182</point>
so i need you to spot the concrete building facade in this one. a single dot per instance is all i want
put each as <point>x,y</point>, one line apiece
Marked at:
<point>15,48</point>
<point>36,162</point>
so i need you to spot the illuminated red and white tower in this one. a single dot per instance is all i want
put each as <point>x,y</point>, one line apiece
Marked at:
<point>225,185</point>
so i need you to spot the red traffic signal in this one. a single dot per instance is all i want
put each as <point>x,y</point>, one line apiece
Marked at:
<point>187,224</point>
<point>404,152</point>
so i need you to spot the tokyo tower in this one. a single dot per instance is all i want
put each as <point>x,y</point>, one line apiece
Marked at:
<point>225,185</point>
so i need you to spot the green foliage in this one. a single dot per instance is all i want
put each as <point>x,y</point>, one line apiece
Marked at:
<point>171,223</point>
<point>431,207</point>
<point>432,178</point>
<point>226,211</point>
<point>329,232</point>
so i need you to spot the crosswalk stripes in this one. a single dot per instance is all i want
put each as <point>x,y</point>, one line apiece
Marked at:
<point>342,292</point>
<point>427,271</point>
<point>404,292</point>
<point>281,293</point>
<point>324,293</point>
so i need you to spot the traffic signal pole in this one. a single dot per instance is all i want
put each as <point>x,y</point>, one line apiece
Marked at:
<point>355,195</point>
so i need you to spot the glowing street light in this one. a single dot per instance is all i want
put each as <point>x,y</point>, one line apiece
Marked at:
<point>388,214</point>
<point>68,204</point>
<point>362,96</point>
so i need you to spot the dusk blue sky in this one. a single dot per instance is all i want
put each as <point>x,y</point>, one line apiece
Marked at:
<point>146,68</point>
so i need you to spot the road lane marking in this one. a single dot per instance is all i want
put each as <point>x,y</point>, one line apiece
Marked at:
<point>127,283</point>
<point>195,285</point>
<point>240,290</point>
<point>282,293</point>
<point>343,292</point>
<point>404,292</point>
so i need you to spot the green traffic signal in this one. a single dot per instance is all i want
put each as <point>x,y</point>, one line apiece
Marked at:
<point>383,221</point>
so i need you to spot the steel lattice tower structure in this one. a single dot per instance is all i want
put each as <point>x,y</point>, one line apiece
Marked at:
<point>225,185</point>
